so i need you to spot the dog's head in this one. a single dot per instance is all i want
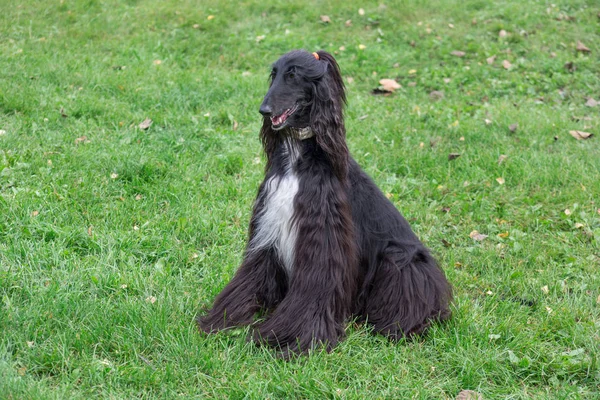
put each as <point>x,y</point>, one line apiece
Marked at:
<point>304,88</point>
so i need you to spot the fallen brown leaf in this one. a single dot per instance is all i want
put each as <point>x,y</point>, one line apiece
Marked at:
<point>500,180</point>
<point>580,135</point>
<point>325,19</point>
<point>503,235</point>
<point>469,395</point>
<point>502,33</point>
<point>513,127</point>
<point>570,66</point>
<point>348,22</point>
<point>389,85</point>
<point>80,140</point>
<point>458,53</point>
<point>157,62</point>
<point>502,158</point>
<point>582,47</point>
<point>436,95</point>
<point>145,124</point>
<point>475,235</point>
<point>453,156</point>
<point>506,64</point>
<point>363,117</point>
<point>490,60</point>
<point>63,113</point>
<point>567,212</point>
<point>35,213</point>
<point>21,371</point>
<point>591,102</point>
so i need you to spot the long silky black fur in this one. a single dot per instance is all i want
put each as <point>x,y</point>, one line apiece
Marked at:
<point>355,255</point>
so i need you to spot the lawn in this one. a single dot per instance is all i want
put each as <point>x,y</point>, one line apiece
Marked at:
<point>113,237</point>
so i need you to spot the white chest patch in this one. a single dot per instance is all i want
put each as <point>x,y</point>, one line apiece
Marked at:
<point>274,226</point>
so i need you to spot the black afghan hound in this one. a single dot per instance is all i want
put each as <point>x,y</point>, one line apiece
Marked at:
<point>324,243</point>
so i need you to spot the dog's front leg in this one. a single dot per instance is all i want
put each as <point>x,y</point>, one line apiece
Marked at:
<point>259,284</point>
<point>323,281</point>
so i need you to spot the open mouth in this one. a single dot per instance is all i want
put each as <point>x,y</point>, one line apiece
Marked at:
<point>279,121</point>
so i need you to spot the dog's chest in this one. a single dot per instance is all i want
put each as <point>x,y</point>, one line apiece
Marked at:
<point>275,224</point>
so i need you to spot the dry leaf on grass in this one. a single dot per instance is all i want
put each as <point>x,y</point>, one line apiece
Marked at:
<point>591,102</point>
<point>469,395</point>
<point>325,19</point>
<point>151,299</point>
<point>580,135</point>
<point>567,212</point>
<point>348,23</point>
<point>545,289</point>
<point>475,235</point>
<point>389,85</point>
<point>506,64</point>
<point>453,156</point>
<point>502,33</point>
<point>503,235</point>
<point>63,113</point>
<point>80,140</point>
<point>500,180</point>
<point>458,53</point>
<point>570,66</point>
<point>361,11</point>
<point>145,124</point>
<point>490,60</point>
<point>582,47</point>
<point>513,127</point>
<point>502,158</point>
<point>436,95</point>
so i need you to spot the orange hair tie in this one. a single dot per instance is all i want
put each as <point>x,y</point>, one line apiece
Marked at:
<point>316,55</point>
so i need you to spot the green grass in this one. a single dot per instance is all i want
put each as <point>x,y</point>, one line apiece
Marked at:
<point>110,245</point>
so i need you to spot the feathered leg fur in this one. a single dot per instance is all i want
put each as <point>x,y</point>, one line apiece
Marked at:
<point>259,284</point>
<point>409,291</point>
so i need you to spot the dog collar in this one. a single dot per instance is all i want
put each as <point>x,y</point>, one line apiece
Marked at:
<point>301,133</point>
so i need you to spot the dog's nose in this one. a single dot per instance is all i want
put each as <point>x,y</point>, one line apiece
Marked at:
<point>265,110</point>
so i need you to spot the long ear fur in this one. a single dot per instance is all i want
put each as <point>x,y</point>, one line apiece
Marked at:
<point>326,115</point>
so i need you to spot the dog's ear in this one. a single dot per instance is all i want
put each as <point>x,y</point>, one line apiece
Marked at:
<point>326,115</point>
